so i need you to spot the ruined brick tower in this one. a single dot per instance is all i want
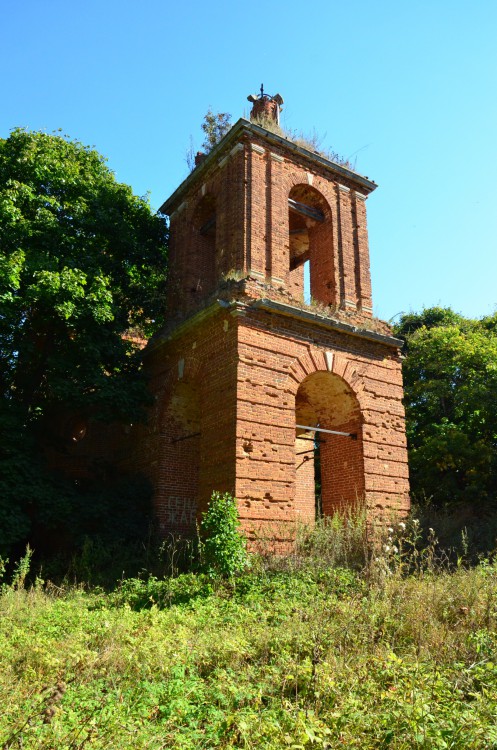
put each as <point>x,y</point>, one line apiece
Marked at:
<point>248,378</point>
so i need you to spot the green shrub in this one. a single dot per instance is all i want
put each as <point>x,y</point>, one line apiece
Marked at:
<point>399,655</point>
<point>223,550</point>
<point>141,593</point>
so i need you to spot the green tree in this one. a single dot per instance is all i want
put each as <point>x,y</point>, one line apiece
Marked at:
<point>82,264</point>
<point>450,380</point>
<point>215,126</point>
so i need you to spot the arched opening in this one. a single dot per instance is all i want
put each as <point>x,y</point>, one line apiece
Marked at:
<point>180,459</point>
<point>328,447</point>
<point>310,246</point>
<point>202,268</point>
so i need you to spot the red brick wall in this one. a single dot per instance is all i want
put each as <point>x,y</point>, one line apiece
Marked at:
<point>275,356</point>
<point>250,186</point>
<point>305,488</point>
<point>342,470</point>
<point>236,379</point>
<point>193,379</point>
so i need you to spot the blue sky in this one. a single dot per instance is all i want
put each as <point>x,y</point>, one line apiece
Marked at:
<point>406,89</point>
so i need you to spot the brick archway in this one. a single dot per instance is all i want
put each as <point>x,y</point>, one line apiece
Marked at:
<point>328,392</point>
<point>315,360</point>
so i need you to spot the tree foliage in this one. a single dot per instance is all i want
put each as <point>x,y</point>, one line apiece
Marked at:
<point>450,380</point>
<point>82,264</point>
<point>82,261</point>
<point>222,545</point>
<point>215,126</point>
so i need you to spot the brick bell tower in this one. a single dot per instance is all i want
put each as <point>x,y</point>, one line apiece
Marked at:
<point>258,393</point>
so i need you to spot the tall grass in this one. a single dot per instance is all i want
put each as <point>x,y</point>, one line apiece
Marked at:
<point>342,540</point>
<point>351,642</point>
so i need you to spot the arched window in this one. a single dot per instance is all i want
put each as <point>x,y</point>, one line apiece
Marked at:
<point>311,246</point>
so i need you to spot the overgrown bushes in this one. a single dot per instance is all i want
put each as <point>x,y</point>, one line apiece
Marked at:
<point>222,547</point>
<point>399,653</point>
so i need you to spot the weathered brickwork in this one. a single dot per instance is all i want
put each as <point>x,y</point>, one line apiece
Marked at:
<point>276,359</point>
<point>244,360</point>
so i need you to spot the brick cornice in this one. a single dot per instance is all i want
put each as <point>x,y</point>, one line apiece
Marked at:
<point>244,127</point>
<point>324,322</point>
<point>238,308</point>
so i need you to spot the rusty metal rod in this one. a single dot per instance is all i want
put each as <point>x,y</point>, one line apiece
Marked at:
<point>352,435</point>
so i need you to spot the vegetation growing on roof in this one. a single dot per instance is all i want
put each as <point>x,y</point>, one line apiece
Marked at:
<point>216,125</point>
<point>310,141</point>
